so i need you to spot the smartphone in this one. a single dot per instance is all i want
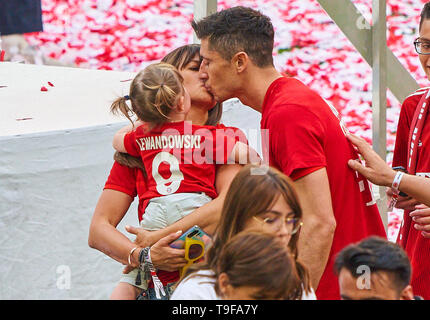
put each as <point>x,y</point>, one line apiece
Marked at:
<point>194,232</point>
<point>400,168</point>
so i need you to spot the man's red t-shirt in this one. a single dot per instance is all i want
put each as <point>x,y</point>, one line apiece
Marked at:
<point>306,134</point>
<point>416,246</point>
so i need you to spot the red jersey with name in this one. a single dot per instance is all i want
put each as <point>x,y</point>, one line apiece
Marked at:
<point>416,246</point>
<point>181,157</point>
<point>305,132</point>
<point>131,181</point>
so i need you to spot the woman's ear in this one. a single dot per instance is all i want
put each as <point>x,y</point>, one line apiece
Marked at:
<point>224,285</point>
<point>240,61</point>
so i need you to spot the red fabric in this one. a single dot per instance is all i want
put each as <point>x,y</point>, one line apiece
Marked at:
<point>131,181</point>
<point>300,173</point>
<point>306,133</point>
<point>194,170</point>
<point>416,246</point>
<point>418,121</point>
<point>123,179</point>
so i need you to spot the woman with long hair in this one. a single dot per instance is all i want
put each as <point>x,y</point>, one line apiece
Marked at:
<point>257,200</point>
<point>127,179</point>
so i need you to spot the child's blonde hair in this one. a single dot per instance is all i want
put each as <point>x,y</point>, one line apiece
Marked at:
<point>154,92</point>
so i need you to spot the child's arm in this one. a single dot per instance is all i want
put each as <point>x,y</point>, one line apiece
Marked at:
<point>244,154</point>
<point>118,138</point>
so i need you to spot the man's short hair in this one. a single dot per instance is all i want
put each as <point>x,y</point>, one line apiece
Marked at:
<point>425,14</point>
<point>238,29</point>
<point>379,255</point>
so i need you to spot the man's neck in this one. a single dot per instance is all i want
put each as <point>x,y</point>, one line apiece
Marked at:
<point>257,84</point>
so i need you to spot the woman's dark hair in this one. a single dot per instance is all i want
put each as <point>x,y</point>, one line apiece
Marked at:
<point>248,195</point>
<point>425,14</point>
<point>379,255</point>
<point>259,260</point>
<point>179,58</point>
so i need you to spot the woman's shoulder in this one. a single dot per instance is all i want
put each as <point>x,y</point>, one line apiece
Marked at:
<point>199,285</point>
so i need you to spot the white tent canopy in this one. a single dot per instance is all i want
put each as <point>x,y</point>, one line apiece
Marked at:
<point>56,153</point>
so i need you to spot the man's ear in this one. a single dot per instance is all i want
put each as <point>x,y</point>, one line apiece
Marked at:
<point>240,61</point>
<point>407,293</point>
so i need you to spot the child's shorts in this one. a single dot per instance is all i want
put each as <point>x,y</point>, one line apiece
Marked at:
<point>163,211</point>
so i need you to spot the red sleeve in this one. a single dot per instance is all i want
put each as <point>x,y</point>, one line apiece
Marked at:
<point>296,139</point>
<point>123,179</point>
<point>400,156</point>
<point>225,140</point>
<point>300,173</point>
<point>130,144</point>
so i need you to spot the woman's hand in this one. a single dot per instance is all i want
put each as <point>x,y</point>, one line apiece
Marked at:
<point>144,238</point>
<point>405,203</point>
<point>163,256</point>
<point>376,170</point>
<point>422,218</point>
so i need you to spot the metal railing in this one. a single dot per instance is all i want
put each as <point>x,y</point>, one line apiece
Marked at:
<point>371,43</point>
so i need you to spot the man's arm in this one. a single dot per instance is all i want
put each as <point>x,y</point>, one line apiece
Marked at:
<point>319,224</point>
<point>206,217</point>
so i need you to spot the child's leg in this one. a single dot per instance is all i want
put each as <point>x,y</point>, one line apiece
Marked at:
<point>125,291</point>
<point>126,288</point>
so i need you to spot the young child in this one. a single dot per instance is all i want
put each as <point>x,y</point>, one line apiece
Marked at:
<point>179,158</point>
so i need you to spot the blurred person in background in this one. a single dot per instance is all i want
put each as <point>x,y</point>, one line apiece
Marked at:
<point>374,269</point>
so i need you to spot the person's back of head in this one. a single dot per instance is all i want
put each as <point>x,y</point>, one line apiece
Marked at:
<point>239,29</point>
<point>254,265</point>
<point>154,93</point>
<point>374,269</point>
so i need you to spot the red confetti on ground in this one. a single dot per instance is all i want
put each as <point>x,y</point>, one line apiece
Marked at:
<point>43,88</point>
<point>50,83</point>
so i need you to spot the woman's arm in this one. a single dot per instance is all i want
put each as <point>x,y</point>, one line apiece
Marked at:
<point>105,237</point>
<point>378,172</point>
<point>206,217</point>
